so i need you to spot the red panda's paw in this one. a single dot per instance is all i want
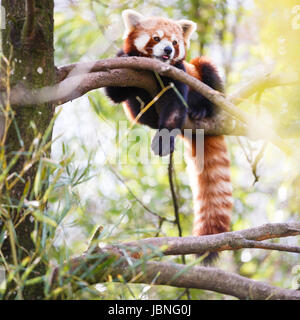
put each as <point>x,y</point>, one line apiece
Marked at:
<point>197,113</point>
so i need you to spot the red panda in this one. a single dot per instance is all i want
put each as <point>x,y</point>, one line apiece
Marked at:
<point>167,40</point>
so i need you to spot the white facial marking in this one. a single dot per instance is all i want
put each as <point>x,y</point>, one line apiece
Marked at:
<point>174,38</point>
<point>158,49</point>
<point>160,33</point>
<point>141,41</point>
<point>181,52</point>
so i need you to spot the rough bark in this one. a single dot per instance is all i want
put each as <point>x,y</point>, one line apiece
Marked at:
<point>131,261</point>
<point>248,238</point>
<point>28,45</point>
<point>74,80</point>
<point>177,275</point>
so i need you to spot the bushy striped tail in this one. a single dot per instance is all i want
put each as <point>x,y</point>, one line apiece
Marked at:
<point>211,187</point>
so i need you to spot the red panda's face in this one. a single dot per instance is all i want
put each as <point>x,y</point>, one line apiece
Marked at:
<point>155,37</point>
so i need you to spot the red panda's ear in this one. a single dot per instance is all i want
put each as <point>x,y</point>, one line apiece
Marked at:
<point>188,27</point>
<point>131,19</point>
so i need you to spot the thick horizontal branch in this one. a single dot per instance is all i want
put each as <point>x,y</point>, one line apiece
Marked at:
<point>76,86</point>
<point>248,238</point>
<point>132,270</point>
<point>261,131</point>
<point>224,120</point>
<point>77,79</point>
<point>130,260</point>
<point>264,81</point>
<point>212,279</point>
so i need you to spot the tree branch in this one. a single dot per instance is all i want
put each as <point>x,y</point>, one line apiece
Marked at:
<point>264,81</point>
<point>248,238</point>
<point>76,86</point>
<point>77,79</point>
<point>214,96</point>
<point>160,273</point>
<point>222,124</point>
<point>128,261</point>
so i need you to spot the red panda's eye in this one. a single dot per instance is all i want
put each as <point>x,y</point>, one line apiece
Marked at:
<point>174,43</point>
<point>157,39</point>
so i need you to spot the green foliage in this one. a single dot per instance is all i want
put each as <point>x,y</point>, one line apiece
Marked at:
<point>82,187</point>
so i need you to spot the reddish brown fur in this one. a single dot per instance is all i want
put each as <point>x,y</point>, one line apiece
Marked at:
<point>128,112</point>
<point>199,62</point>
<point>149,27</point>
<point>212,188</point>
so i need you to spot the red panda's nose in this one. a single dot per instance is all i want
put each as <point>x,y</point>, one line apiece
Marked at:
<point>168,50</point>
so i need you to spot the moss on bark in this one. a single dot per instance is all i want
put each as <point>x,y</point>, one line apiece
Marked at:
<point>32,59</point>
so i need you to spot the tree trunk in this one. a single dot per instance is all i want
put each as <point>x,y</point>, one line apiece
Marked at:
<point>27,42</point>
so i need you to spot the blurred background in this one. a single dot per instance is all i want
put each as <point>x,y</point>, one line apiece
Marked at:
<point>244,39</point>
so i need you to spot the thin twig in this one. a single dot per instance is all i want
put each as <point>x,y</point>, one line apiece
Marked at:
<point>160,224</point>
<point>257,160</point>
<point>175,206</point>
<point>174,196</point>
<point>248,156</point>
<point>271,246</point>
<point>112,169</point>
<point>137,199</point>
